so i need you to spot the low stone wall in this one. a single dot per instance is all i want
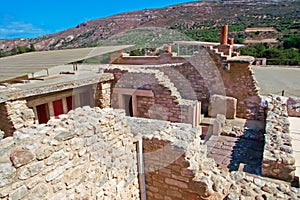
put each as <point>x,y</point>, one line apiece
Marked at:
<point>90,154</point>
<point>293,105</point>
<point>87,154</point>
<point>176,167</point>
<point>278,160</point>
<point>15,115</point>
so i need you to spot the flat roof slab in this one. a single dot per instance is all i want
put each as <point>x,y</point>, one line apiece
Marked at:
<point>27,63</point>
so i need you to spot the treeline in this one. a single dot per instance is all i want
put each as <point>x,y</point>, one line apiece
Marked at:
<point>17,50</point>
<point>288,53</point>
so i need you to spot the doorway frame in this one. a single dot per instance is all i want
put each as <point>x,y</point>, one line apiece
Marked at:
<point>133,93</point>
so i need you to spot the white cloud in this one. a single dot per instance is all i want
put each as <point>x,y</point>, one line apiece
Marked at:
<point>20,30</point>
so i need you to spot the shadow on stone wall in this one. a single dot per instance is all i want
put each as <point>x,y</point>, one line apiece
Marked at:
<point>247,153</point>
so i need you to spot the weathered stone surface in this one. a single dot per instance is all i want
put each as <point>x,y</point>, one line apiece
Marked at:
<point>259,182</point>
<point>19,193</point>
<point>56,156</point>
<point>176,165</point>
<point>293,106</point>
<point>31,170</point>
<point>64,136</point>
<point>43,152</point>
<point>278,159</point>
<point>217,127</point>
<point>1,134</point>
<point>222,105</point>
<point>21,157</point>
<point>55,173</point>
<point>41,191</point>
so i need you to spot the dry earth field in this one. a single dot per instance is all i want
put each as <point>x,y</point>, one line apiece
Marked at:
<point>275,79</point>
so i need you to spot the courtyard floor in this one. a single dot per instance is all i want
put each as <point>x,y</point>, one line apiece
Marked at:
<point>241,152</point>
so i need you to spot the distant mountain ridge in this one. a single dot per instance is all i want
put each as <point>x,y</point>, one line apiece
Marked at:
<point>193,19</point>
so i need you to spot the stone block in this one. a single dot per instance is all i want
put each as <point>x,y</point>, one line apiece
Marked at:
<point>21,157</point>
<point>19,193</point>
<point>31,170</point>
<point>222,105</point>
<point>221,119</point>
<point>293,105</point>
<point>217,128</point>
<point>177,183</point>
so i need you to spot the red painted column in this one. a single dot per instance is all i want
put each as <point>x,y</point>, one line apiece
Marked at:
<point>224,34</point>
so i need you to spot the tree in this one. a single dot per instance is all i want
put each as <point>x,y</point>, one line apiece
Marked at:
<point>32,49</point>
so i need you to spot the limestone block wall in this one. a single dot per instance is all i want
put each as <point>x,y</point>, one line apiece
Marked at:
<point>15,115</point>
<point>103,94</point>
<point>278,160</point>
<point>87,154</point>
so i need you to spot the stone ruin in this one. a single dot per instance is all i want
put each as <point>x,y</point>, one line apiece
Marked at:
<point>91,153</point>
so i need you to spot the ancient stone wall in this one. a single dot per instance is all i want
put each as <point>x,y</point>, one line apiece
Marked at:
<point>87,154</point>
<point>15,115</point>
<point>90,154</point>
<point>293,106</point>
<point>197,82</point>
<point>176,167</point>
<point>210,72</point>
<point>166,104</point>
<point>199,74</point>
<point>240,83</point>
<point>278,160</point>
<point>103,94</point>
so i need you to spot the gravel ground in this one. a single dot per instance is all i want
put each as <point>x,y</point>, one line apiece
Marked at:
<point>275,79</point>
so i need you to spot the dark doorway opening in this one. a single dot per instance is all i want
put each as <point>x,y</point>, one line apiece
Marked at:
<point>127,102</point>
<point>70,105</point>
<point>43,113</point>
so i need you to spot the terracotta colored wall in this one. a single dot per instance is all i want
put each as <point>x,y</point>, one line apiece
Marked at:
<point>164,105</point>
<point>239,82</point>
<point>167,175</point>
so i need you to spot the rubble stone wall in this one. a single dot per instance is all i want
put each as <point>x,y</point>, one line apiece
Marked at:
<point>293,104</point>
<point>87,154</point>
<point>177,167</point>
<point>278,160</point>
<point>103,94</point>
<point>15,115</point>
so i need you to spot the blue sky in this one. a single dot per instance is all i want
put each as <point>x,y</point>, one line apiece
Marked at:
<point>32,18</point>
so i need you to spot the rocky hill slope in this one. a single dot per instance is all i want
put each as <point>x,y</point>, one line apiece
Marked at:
<point>197,20</point>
